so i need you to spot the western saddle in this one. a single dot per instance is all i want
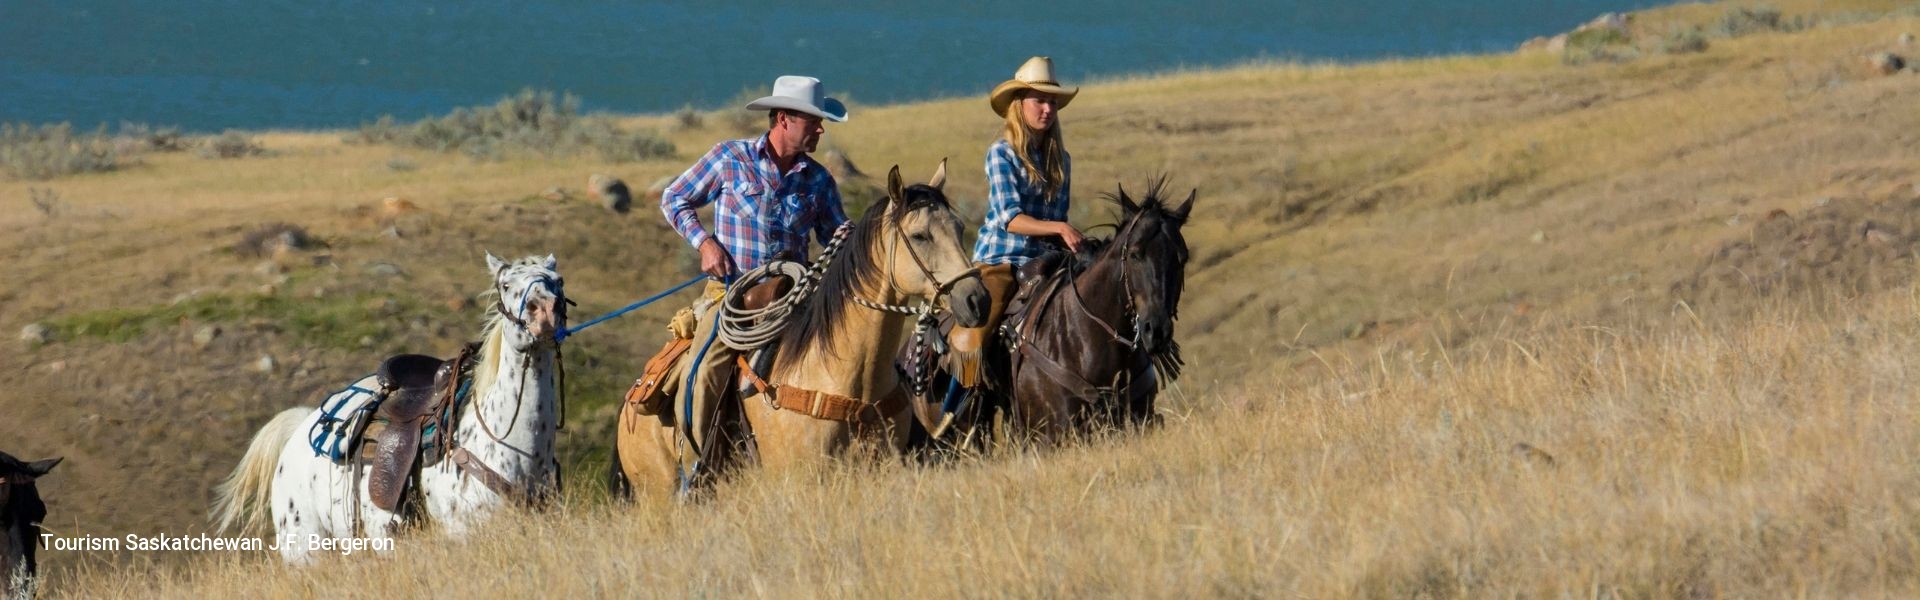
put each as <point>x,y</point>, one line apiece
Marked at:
<point>414,416</point>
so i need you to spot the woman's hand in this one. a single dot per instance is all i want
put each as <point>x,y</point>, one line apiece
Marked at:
<point>1068,235</point>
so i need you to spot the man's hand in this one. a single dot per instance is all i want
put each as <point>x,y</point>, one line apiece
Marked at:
<point>714,259</point>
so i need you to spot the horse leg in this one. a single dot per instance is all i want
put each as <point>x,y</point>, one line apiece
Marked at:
<point>309,496</point>
<point>645,453</point>
<point>1043,413</point>
<point>1140,405</point>
<point>618,486</point>
<point>893,432</point>
<point>309,500</point>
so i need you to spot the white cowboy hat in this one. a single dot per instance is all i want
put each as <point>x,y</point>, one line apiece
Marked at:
<point>1037,75</point>
<point>804,94</point>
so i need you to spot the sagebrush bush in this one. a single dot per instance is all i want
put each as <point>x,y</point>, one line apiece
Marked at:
<point>1740,20</point>
<point>231,144</point>
<point>49,151</point>
<point>135,138</point>
<point>688,118</point>
<point>1684,40</point>
<point>529,123</point>
<point>1598,44</point>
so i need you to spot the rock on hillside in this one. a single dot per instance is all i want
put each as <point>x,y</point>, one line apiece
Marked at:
<point>1848,246</point>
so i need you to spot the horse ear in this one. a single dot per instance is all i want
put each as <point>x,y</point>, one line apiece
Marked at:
<point>41,467</point>
<point>551,263</point>
<point>939,181</point>
<point>494,264</point>
<point>1185,207</point>
<point>894,189</point>
<point>1126,202</point>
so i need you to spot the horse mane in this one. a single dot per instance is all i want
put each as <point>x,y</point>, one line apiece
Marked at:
<point>852,271</point>
<point>492,341</point>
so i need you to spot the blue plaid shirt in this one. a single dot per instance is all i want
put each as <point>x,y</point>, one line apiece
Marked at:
<point>1010,194</point>
<point>759,211</point>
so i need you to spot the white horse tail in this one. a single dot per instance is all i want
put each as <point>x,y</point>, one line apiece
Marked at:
<point>242,498</point>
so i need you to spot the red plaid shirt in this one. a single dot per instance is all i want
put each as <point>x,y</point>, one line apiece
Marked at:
<point>758,211</point>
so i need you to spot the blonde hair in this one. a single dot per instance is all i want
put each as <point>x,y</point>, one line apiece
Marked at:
<point>1026,143</point>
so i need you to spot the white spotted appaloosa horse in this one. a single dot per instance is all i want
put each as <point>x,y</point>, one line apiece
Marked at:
<point>502,435</point>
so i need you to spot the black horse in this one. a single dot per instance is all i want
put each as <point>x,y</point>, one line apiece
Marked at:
<point>1087,343</point>
<point>20,514</point>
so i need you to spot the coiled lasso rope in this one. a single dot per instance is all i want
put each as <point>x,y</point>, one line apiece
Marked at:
<point>747,329</point>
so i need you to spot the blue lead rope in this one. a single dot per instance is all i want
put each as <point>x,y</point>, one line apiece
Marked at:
<point>564,333</point>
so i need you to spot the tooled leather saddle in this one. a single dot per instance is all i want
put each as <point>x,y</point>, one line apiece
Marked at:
<point>414,420</point>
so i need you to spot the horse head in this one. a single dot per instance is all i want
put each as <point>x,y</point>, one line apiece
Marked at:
<point>530,294</point>
<point>1153,254</point>
<point>924,254</point>
<point>21,512</point>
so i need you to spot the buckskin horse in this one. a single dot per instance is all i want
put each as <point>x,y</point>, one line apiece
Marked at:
<point>20,514</point>
<point>488,421</point>
<point>1087,342</point>
<point>833,387</point>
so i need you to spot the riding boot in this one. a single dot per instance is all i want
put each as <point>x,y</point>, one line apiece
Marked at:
<point>968,344</point>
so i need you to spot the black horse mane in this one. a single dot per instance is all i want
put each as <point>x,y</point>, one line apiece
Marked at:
<point>852,271</point>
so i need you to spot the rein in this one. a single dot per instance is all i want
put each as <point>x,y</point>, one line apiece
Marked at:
<point>1060,374</point>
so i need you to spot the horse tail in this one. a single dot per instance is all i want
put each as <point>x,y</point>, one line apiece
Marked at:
<point>242,498</point>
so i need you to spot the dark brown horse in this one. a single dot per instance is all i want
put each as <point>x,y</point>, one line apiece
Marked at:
<point>1088,341</point>
<point>1091,344</point>
<point>20,514</point>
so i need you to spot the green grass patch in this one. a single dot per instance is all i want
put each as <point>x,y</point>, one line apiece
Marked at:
<point>330,322</point>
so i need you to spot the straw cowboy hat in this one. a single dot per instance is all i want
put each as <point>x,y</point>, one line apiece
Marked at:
<point>1036,75</point>
<point>804,94</point>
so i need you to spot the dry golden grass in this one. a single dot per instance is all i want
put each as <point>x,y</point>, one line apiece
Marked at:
<point>1402,270</point>
<point>1671,459</point>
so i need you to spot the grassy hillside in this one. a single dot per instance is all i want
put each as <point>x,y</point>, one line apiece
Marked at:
<point>1685,276</point>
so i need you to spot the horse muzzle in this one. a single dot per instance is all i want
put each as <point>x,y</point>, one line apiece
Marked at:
<point>969,302</point>
<point>543,322</point>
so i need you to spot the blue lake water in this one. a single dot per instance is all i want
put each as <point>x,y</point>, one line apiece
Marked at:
<point>208,65</point>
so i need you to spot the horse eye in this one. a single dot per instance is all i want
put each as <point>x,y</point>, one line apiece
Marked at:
<point>923,237</point>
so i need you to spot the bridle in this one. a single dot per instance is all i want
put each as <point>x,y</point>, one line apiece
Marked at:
<point>488,476</point>
<point>1132,312</point>
<point>928,310</point>
<point>519,318</point>
<point>1122,380</point>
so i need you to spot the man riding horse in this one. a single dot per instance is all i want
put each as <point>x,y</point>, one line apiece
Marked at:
<point>768,193</point>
